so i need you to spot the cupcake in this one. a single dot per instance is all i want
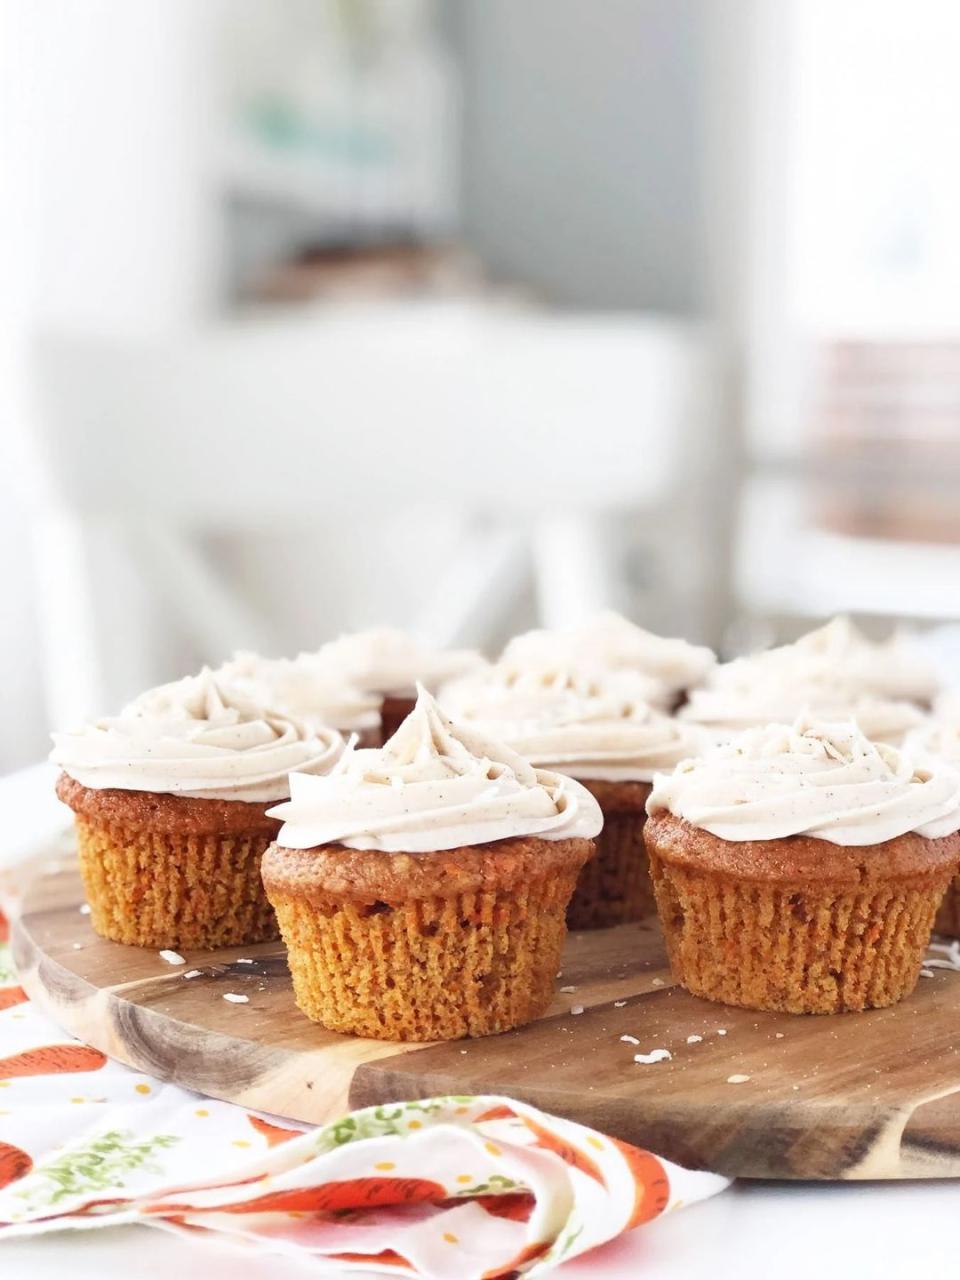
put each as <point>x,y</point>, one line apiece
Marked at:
<point>940,739</point>
<point>170,799</point>
<point>800,869</point>
<point>608,642</point>
<point>601,731</point>
<point>309,689</point>
<point>390,664</point>
<point>421,888</point>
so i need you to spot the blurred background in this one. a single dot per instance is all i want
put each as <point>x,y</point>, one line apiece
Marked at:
<point>464,315</point>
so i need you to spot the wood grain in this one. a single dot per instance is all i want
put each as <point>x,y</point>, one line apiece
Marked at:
<point>871,1095</point>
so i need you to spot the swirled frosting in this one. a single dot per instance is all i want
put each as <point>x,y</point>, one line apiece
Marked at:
<point>813,778</point>
<point>837,656</point>
<point>598,727</point>
<point>196,737</point>
<point>609,642</point>
<point>389,661</point>
<point>435,785</point>
<point>937,738</point>
<point>760,697</point>
<point>306,687</point>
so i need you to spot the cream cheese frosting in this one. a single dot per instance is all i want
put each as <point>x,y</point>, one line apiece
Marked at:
<point>938,738</point>
<point>309,688</point>
<point>609,641</point>
<point>599,727</point>
<point>840,655</point>
<point>197,737</point>
<point>435,785</point>
<point>812,778</point>
<point>386,660</point>
<point>758,697</point>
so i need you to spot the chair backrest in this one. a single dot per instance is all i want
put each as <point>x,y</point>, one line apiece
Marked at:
<point>505,413</point>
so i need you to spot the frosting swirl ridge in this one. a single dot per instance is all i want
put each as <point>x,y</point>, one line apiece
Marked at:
<point>387,660</point>
<point>306,687</point>
<point>435,785</point>
<point>196,737</point>
<point>812,778</point>
<point>598,727</point>
<point>610,642</point>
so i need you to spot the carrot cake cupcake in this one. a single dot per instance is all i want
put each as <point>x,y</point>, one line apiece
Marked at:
<point>608,642</point>
<point>940,739</point>
<point>309,689</point>
<point>421,888</point>
<point>800,868</point>
<point>391,663</point>
<point>602,732</point>
<point>170,799</point>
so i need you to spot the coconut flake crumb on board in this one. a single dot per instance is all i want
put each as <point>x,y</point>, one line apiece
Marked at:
<point>192,973</point>
<point>737,1079</point>
<point>619,1004</point>
<point>629,1039</point>
<point>235,999</point>
<point>655,1055</point>
<point>567,990</point>
<point>694,1039</point>
<point>576,1010</point>
<point>243,962</point>
<point>721,1031</point>
<point>172,957</point>
<point>85,909</point>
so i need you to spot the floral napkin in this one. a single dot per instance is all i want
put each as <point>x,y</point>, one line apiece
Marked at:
<point>447,1189</point>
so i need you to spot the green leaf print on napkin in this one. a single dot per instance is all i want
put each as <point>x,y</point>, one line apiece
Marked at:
<point>100,1165</point>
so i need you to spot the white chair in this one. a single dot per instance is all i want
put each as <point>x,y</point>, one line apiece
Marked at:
<point>536,429</point>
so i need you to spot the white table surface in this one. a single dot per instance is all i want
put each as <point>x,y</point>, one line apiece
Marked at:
<point>755,1231</point>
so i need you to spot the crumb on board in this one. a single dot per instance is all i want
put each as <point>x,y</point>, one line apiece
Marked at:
<point>655,1055</point>
<point>737,1079</point>
<point>721,1031</point>
<point>192,973</point>
<point>85,909</point>
<point>172,957</point>
<point>619,1004</point>
<point>576,1010</point>
<point>568,990</point>
<point>242,961</point>
<point>629,1039</point>
<point>234,998</point>
<point>694,1039</point>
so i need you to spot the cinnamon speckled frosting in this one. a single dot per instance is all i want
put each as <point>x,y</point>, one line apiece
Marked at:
<point>597,727</point>
<point>386,660</point>
<point>812,778</point>
<point>196,737</point>
<point>610,642</point>
<point>435,785</point>
<point>307,687</point>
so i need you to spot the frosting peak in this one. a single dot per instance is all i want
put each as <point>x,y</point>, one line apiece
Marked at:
<point>386,660</point>
<point>812,778</point>
<point>609,642</point>
<point>434,785</point>
<point>198,737</point>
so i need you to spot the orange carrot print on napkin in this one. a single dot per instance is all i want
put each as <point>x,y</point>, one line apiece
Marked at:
<point>52,1060</point>
<point>10,996</point>
<point>14,1163</point>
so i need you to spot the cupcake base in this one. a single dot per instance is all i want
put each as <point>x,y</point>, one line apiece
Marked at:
<point>615,886</point>
<point>948,916</point>
<point>808,930</point>
<point>416,947</point>
<point>169,871</point>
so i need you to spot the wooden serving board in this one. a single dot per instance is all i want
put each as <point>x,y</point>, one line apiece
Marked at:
<point>871,1095</point>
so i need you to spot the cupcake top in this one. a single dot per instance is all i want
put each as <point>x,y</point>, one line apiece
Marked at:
<point>196,737</point>
<point>938,738</point>
<point>755,696</point>
<point>813,778</point>
<point>839,656</point>
<point>598,727</point>
<point>306,687</point>
<point>435,785</point>
<point>608,641</point>
<point>389,661</point>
